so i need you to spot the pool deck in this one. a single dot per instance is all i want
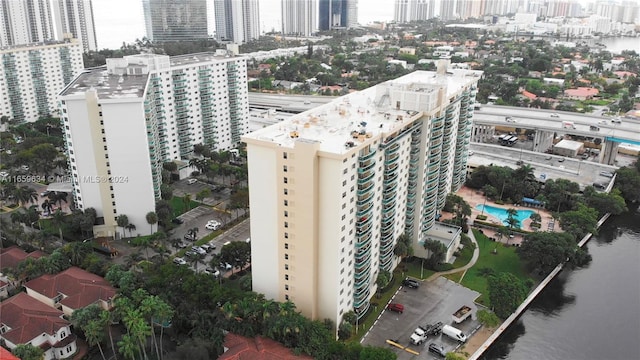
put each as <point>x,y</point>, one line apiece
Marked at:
<point>475,198</point>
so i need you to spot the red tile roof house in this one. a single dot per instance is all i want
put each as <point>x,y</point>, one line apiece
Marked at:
<point>6,355</point>
<point>72,289</point>
<point>4,291</point>
<point>581,93</point>
<point>10,258</point>
<point>26,320</point>
<point>241,348</point>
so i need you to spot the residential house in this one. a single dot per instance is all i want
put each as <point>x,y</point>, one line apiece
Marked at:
<point>238,347</point>
<point>26,320</point>
<point>4,291</point>
<point>72,289</point>
<point>7,355</point>
<point>9,259</point>
<point>581,93</point>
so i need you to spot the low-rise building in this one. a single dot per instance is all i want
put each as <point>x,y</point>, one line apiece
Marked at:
<point>238,347</point>
<point>26,320</point>
<point>71,290</point>
<point>581,93</point>
<point>568,148</point>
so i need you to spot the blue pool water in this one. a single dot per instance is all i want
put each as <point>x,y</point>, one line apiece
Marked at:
<point>501,213</point>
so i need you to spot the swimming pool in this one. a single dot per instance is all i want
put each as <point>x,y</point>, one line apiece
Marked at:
<point>501,213</point>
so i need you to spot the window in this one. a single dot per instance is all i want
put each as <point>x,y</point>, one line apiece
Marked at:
<point>284,155</point>
<point>286,287</point>
<point>286,203</point>
<point>286,224</point>
<point>286,235</point>
<point>286,297</point>
<point>286,266</point>
<point>286,214</point>
<point>286,277</point>
<point>286,191</point>
<point>286,256</point>
<point>286,181</point>
<point>284,168</point>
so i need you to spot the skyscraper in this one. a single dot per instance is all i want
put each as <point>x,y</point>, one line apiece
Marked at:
<point>333,188</point>
<point>32,75</point>
<point>237,21</point>
<point>175,20</point>
<point>299,17</point>
<point>75,19</point>
<point>25,21</point>
<point>124,120</point>
<point>336,14</point>
<point>413,10</point>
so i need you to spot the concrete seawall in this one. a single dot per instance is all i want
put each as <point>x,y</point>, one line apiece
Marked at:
<point>511,319</point>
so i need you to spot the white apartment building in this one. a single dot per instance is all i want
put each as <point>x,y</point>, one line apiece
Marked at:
<point>333,188</point>
<point>74,19</point>
<point>33,75</point>
<point>237,21</point>
<point>25,21</point>
<point>123,121</point>
<point>299,17</point>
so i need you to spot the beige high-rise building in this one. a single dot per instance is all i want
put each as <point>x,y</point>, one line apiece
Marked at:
<point>333,188</point>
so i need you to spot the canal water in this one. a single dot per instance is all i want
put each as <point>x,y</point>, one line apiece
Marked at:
<point>587,313</point>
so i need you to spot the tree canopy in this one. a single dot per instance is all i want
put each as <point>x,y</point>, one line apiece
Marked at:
<point>543,251</point>
<point>506,293</point>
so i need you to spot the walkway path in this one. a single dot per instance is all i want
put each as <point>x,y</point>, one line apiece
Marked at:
<point>474,258</point>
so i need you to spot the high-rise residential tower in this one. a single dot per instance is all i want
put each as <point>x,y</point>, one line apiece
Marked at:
<point>175,20</point>
<point>237,21</point>
<point>413,10</point>
<point>333,188</point>
<point>32,75</point>
<point>337,14</point>
<point>299,17</point>
<point>124,120</point>
<point>25,21</point>
<point>75,19</point>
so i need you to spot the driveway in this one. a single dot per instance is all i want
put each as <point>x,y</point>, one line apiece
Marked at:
<point>432,302</point>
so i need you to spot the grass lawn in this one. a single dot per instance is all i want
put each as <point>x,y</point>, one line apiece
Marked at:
<point>178,205</point>
<point>506,260</point>
<point>413,269</point>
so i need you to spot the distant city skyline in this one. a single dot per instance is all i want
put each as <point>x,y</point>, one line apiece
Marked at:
<point>119,21</point>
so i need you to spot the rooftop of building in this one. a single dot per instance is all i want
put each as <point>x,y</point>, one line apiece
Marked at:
<point>258,348</point>
<point>38,45</point>
<point>107,86</point>
<point>79,287</point>
<point>359,117</point>
<point>6,355</point>
<point>443,232</point>
<point>111,85</point>
<point>10,257</point>
<point>29,318</point>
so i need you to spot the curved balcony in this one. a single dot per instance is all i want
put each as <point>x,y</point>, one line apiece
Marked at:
<point>362,286</point>
<point>364,189</point>
<point>361,302</point>
<point>386,246</point>
<point>366,168</point>
<point>361,229</point>
<point>391,168</point>
<point>364,267</point>
<point>365,176</point>
<point>368,156</point>
<point>363,240</point>
<point>389,190</point>
<point>363,222</point>
<point>366,163</point>
<point>390,211</point>
<point>392,149</point>
<point>389,178</point>
<point>362,200</point>
<point>365,210</point>
<point>362,258</point>
<point>386,261</point>
<point>387,229</point>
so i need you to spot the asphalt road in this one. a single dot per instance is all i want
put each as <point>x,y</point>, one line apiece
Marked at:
<point>432,302</point>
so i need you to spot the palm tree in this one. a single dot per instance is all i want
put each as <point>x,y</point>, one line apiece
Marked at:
<point>187,202</point>
<point>512,221</point>
<point>58,220</point>
<point>107,318</point>
<point>25,194</point>
<point>94,333</point>
<point>47,206</point>
<point>122,221</point>
<point>130,227</point>
<point>152,218</point>
<point>127,347</point>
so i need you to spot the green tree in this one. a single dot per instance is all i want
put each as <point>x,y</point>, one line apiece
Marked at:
<point>506,293</point>
<point>612,203</point>
<point>628,182</point>
<point>28,352</point>
<point>383,279</point>
<point>238,254</point>
<point>58,219</point>
<point>437,253</point>
<point>512,220</point>
<point>404,246</point>
<point>376,353</point>
<point>152,219</point>
<point>543,251</point>
<point>122,221</point>
<point>487,318</point>
<point>579,222</point>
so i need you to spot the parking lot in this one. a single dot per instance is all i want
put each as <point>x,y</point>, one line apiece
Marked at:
<point>432,302</point>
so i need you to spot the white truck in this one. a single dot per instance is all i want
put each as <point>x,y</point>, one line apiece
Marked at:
<point>568,125</point>
<point>454,333</point>
<point>419,336</point>
<point>462,314</point>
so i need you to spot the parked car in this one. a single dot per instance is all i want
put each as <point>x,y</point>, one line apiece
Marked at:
<point>190,237</point>
<point>192,181</point>
<point>199,250</point>
<point>190,253</point>
<point>396,307</point>
<point>207,247</point>
<point>606,174</point>
<point>45,193</point>
<point>561,159</point>
<point>211,271</point>
<point>177,221</point>
<point>179,261</point>
<point>411,283</point>
<point>437,349</point>
<point>212,225</point>
<point>226,266</point>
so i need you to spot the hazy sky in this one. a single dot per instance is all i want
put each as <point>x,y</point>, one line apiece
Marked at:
<point>122,20</point>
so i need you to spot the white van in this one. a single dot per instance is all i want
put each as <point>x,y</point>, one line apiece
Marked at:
<point>227,243</point>
<point>454,333</point>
